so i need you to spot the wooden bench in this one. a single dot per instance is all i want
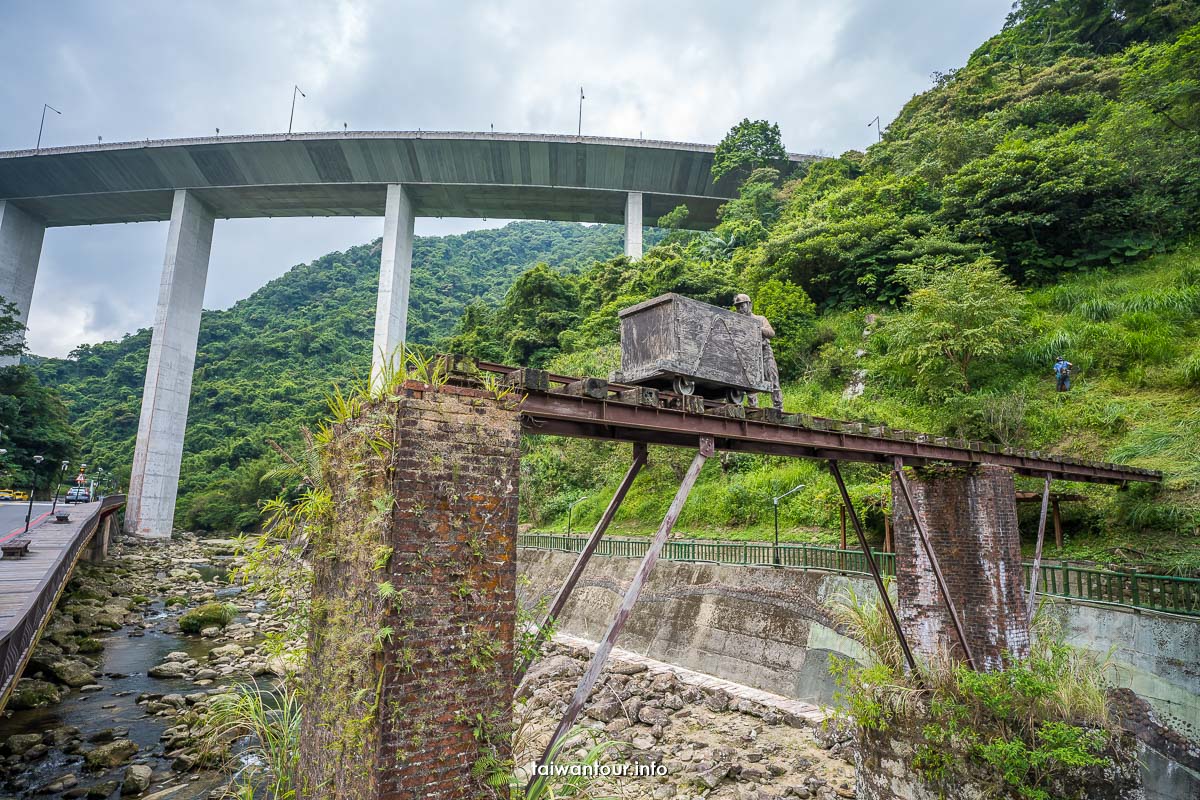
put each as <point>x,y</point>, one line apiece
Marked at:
<point>15,548</point>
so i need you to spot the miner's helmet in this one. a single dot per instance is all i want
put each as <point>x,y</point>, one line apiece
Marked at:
<point>740,299</point>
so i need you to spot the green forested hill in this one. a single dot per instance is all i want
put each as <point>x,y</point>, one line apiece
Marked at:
<point>264,365</point>
<point>1038,201</point>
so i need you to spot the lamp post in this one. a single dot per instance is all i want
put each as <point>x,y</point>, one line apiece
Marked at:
<point>37,460</point>
<point>43,123</point>
<point>579,130</point>
<point>571,509</point>
<point>292,116</point>
<point>775,503</point>
<point>58,484</point>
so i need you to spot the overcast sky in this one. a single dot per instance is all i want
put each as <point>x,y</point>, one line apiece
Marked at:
<point>667,70</point>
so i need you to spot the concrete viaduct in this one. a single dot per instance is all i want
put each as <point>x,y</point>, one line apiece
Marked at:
<point>396,175</point>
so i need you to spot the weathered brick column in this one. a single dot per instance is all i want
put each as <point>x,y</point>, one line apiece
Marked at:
<point>414,600</point>
<point>971,519</point>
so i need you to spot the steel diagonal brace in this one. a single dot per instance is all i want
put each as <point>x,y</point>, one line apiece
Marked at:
<point>862,542</point>
<point>564,593</point>
<point>1037,555</point>
<point>933,562</point>
<point>623,612</point>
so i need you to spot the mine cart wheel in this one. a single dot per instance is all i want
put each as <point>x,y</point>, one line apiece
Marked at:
<point>736,396</point>
<point>684,386</point>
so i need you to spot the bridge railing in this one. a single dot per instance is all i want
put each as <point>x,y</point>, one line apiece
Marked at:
<point>1156,592</point>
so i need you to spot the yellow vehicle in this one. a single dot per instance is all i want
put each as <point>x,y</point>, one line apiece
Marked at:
<point>18,495</point>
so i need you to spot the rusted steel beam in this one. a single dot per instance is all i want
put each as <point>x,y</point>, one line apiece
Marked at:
<point>933,562</point>
<point>626,608</point>
<point>1037,553</point>
<point>875,574</point>
<point>587,416</point>
<point>564,593</point>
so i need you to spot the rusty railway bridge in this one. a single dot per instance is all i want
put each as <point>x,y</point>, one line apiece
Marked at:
<point>595,408</point>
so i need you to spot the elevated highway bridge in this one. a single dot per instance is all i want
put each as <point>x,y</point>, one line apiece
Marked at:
<point>396,175</point>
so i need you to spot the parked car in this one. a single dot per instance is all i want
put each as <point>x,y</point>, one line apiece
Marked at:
<point>78,494</point>
<point>6,494</point>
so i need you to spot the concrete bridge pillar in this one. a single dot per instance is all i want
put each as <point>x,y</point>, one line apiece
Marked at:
<point>633,225</point>
<point>20,250</point>
<point>159,449</point>
<point>395,268</point>
<point>970,517</point>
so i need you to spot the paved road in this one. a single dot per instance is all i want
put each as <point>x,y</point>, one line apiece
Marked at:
<point>12,516</point>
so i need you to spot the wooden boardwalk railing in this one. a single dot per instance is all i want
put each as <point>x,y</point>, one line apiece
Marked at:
<point>30,586</point>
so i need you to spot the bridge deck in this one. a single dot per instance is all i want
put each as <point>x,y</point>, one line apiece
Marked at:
<point>30,585</point>
<point>566,406</point>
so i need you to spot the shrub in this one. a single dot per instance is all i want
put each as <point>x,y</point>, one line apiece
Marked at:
<point>1031,726</point>
<point>207,615</point>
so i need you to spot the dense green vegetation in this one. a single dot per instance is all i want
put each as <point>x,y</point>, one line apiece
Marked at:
<point>1035,202</point>
<point>33,420</point>
<point>263,366</point>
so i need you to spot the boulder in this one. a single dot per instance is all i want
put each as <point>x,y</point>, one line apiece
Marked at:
<point>226,651</point>
<point>71,672</point>
<point>136,780</point>
<point>34,693</point>
<point>110,755</point>
<point>168,669</point>
<point>102,790</point>
<point>19,743</point>
<point>59,784</point>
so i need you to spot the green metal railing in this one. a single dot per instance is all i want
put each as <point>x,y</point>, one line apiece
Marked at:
<point>1155,592</point>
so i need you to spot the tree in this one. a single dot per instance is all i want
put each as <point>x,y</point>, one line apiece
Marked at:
<point>12,332</point>
<point>957,318</point>
<point>749,145</point>
<point>1166,77</point>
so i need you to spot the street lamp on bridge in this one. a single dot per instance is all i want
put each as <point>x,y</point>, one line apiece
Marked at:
<point>37,460</point>
<point>43,123</point>
<point>775,503</point>
<point>58,484</point>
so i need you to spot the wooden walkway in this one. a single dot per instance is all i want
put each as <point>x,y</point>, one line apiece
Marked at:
<point>20,578</point>
<point>30,585</point>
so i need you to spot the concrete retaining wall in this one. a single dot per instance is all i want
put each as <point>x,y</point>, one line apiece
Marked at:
<point>766,628</point>
<point>771,629</point>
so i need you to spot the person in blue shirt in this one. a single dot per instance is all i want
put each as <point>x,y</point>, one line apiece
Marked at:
<point>1062,374</point>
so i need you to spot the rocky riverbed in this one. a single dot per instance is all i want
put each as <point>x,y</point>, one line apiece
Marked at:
<point>112,701</point>
<point>703,743</point>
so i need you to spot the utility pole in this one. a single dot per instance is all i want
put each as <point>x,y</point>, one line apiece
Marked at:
<point>579,130</point>
<point>878,132</point>
<point>292,116</point>
<point>43,123</point>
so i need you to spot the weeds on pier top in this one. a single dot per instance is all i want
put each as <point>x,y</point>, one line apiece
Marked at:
<point>1039,728</point>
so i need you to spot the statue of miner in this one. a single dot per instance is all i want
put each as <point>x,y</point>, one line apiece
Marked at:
<point>770,368</point>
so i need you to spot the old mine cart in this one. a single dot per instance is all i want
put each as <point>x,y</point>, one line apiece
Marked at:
<point>693,348</point>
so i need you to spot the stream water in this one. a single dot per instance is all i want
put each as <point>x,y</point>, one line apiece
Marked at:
<point>114,712</point>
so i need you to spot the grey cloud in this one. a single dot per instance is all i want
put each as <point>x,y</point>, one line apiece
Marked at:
<point>670,70</point>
